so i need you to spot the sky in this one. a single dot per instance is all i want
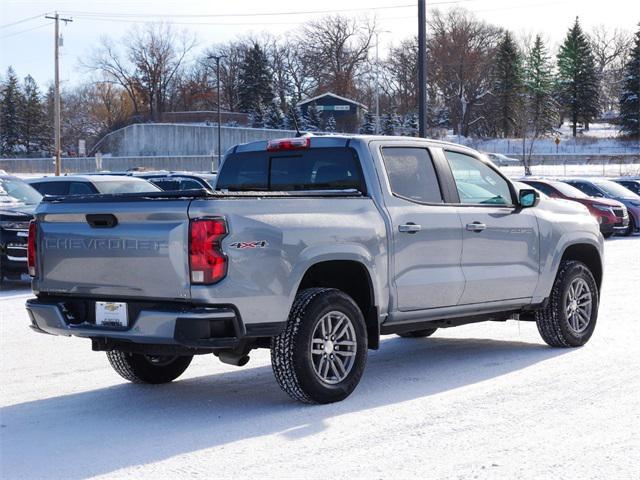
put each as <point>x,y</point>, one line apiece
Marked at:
<point>28,45</point>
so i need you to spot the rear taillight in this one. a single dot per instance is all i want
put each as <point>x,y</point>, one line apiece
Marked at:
<point>31,248</point>
<point>281,144</point>
<point>207,262</point>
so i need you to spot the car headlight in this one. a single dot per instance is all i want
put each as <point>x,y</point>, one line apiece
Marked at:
<point>14,225</point>
<point>603,208</point>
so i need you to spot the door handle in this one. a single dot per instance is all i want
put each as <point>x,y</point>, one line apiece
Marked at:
<point>409,227</point>
<point>476,227</point>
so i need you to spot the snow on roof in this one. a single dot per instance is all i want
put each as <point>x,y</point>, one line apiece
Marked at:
<point>331,94</point>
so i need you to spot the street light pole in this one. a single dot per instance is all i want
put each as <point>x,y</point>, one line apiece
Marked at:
<point>422,73</point>
<point>217,58</point>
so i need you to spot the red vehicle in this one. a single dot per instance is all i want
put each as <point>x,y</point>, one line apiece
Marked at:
<point>611,214</point>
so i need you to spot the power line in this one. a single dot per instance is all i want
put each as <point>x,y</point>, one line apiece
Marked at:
<point>26,30</point>
<point>260,14</point>
<point>18,22</point>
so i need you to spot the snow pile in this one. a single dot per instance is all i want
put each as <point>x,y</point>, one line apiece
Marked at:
<point>486,401</point>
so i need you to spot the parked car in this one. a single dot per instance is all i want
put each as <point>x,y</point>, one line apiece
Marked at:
<point>169,181</point>
<point>600,188</point>
<point>90,184</point>
<point>17,204</point>
<point>502,160</point>
<point>611,214</point>
<point>632,184</point>
<point>312,247</point>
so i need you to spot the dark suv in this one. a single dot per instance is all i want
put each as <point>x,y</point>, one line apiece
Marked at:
<point>17,203</point>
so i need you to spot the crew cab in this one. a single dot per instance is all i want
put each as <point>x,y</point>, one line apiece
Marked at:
<point>312,247</point>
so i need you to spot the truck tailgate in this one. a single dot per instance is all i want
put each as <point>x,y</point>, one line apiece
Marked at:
<point>114,249</point>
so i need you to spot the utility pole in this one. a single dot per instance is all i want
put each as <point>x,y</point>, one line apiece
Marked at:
<point>422,70</point>
<point>56,96</point>
<point>217,58</point>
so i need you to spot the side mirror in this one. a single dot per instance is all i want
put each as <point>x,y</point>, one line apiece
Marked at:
<point>528,197</point>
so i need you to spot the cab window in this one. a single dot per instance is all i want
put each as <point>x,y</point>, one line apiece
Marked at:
<point>477,183</point>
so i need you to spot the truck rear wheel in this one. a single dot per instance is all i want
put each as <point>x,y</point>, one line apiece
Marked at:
<point>321,354</point>
<point>154,369</point>
<point>426,332</point>
<point>569,318</point>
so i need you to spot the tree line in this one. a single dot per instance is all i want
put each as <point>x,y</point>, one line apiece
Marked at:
<point>482,81</point>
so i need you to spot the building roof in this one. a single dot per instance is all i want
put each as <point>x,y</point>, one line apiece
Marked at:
<point>330,94</point>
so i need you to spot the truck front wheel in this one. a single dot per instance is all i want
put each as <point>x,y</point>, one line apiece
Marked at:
<point>154,369</point>
<point>569,318</point>
<point>321,354</point>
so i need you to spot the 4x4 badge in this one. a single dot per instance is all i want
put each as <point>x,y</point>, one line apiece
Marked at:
<point>256,244</point>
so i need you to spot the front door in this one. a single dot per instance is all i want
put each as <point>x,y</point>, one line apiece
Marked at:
<point>500,254</point>
<point>427,234</point>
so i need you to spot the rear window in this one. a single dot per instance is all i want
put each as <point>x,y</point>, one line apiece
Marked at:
<point>313,169</point>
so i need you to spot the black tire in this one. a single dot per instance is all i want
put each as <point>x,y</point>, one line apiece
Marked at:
<point>607,235</point>
<point>553,322</point>
<point>632,226</point>
<point>291,357</point>
<point>138,368</point>
<point>427,332</point>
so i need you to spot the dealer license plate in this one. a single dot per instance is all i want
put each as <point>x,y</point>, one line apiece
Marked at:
<point>111,314</point>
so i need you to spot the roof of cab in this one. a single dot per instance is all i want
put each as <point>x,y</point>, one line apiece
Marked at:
<point>341,140</point>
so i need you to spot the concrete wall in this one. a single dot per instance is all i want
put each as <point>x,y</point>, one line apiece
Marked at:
<point>165,139</point>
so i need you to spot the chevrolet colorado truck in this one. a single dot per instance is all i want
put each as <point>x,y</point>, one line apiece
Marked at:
<point>312,247</point>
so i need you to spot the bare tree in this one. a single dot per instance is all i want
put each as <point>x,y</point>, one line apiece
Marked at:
<point>461,54</point>
<point>400,77</point>
<point>610,49</point>
<point>145,64</point>
<point>335,51</point>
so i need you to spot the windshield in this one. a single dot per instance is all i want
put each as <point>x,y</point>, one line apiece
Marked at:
<point>614,189</point>
<point>13,190</point>
<point>569,191</point>
<point>126,187</point>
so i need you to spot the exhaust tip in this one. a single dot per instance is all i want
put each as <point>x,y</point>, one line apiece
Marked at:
<point>239,360</point>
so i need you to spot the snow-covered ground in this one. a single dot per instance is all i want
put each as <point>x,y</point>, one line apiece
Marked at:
<point>485,401</point>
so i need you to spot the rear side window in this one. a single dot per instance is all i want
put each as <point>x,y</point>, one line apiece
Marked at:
<point>544,188</point>
<point>52,188</point>
<point>412,174</point>
<point>313,169</point>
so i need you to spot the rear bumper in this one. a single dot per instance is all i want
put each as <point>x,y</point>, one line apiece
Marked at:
<point>195,327</point>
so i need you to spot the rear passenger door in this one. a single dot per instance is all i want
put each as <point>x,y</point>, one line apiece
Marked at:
<point>427,234</point>
<point>500,254</point>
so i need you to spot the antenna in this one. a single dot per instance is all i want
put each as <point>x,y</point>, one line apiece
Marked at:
<point>295,122</point>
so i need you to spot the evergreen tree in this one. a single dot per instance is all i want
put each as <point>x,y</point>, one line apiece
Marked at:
<point>506,87</point>
<point>257,117</point>
<point>313,118</point>
<point>32,111</point>
<point>630,97</point>
<point>274,118</point>
<point>330,125</point>
<point>542,109</point>
<point>368,126</point>
<point>10,125</point>
<point>254,81</point>
<point>410,126</point>
<point>390,124</point>
<point>577,77</point>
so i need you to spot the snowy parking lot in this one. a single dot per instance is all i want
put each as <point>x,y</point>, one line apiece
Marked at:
<point>488,400</point>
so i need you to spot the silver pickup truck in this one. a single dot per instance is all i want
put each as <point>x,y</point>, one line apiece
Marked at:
<point>313,247</point>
